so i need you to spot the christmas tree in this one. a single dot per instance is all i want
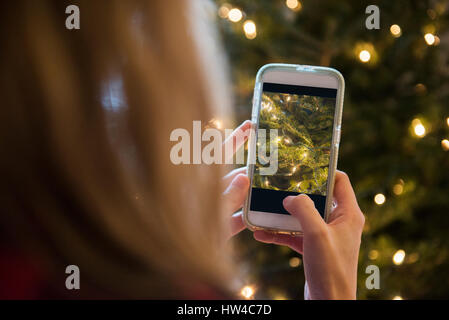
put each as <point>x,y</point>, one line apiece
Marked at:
<point>395,131</point>
<point>304,125</point>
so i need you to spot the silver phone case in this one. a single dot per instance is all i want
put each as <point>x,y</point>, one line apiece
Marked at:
<point>336,133</point>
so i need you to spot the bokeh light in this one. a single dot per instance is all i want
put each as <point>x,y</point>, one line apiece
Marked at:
<point>294,5</point>
<point>235,15</point>
<point>418,128</point>
<point>247,292</point>
<point>398,257</point>
<point>429,38</point>
<point>295,262</point>
<point>445,144</point>
<point>379,199</point>
<point>373,254</point>
<point>249,27</point>
<point>395,30</point>
<point>364,56</point>
<point>223,11</point>
<point>398,189</point>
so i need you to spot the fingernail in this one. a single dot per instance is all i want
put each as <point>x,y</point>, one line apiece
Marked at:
<point>246,123</point>
<point>288,200</point>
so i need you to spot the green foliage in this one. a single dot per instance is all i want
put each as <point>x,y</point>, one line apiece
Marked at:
<point>304,126</point>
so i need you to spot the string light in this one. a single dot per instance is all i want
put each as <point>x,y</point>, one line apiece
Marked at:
<point>379,199</point>
<point>364,56</point>
<point>294,262</point>
<point>267,105</point>
<point>397,298</point>
<point>398,257</point>
<point>235,15</point>
<point>373,254</point>
<point>447,121</point>
<point>365,52</point>
<point>223,11</point>
<point>445,144</point>
<point>420,88</point>
<point>303,185</point>
<point>395,30</point>
<point>294,5</point>
<point>429,38</point>
<point>398,189</point>
<point>249,27</point>
<point>418,128</point>
<point>247,292</point>
<point>305,154</point>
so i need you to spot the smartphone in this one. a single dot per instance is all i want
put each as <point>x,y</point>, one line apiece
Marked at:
<point>297,112</point>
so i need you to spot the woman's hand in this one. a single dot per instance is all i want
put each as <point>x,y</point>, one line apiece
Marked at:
<point>330,251</point>
<point>236,182</point>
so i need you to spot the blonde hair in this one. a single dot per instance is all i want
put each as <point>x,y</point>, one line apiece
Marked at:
<point>94,186</point>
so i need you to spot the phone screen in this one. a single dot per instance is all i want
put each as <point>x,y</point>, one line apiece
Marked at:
<point>304,118</point>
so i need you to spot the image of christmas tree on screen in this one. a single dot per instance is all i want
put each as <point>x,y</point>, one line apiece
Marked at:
<point>304,140</point>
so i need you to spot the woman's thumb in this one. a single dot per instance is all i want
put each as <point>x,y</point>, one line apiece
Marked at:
<point>303,208</point>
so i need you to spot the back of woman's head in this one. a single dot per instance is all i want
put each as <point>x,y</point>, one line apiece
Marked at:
<point>85,121</point>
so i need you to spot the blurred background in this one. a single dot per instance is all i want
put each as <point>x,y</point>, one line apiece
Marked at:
<point>395,131</point>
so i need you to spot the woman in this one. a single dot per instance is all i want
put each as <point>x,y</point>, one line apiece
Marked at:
<point>86,177</point>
